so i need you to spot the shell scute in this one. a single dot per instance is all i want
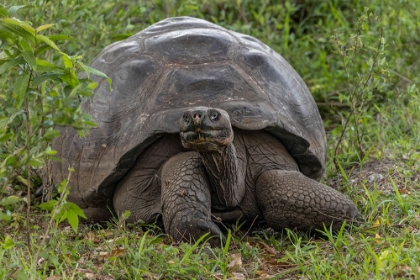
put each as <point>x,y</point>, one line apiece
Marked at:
<point>186,47</point>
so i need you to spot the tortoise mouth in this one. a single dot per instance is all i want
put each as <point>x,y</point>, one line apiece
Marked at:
<point>209,140</point>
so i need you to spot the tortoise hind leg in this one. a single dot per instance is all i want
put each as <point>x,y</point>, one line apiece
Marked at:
<point>288,199</point>
<point>97,215</point>
<point>139,190</point>
<point>139,193</point>
<point>186,200</point>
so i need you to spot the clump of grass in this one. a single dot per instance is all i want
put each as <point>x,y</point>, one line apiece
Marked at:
<point>359,60</point>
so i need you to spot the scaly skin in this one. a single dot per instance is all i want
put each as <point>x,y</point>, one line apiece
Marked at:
<point>227,182</point>
<point>140,189</point>
<point>186,204</point>
<point>288,199</point>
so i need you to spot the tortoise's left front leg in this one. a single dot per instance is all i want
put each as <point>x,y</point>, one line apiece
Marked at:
<point>288,199</point>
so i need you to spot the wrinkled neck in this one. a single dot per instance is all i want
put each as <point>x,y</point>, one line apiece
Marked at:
<point>227,184</point>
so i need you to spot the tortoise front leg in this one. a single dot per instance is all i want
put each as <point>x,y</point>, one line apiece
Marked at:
<point>288,199</point>
<point>186,203</point>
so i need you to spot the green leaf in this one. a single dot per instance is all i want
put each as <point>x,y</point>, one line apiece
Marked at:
<point>70,78</point>
<point>125,215</point>
<point>89,70</point>
<point>9,161</point>
<point>36,162</point>
<point>30,59</point>
<point>41,49</point>
<point>73,220</point>
<point>62,213</point>
<point>51,133</point>
<point>92,85</point>
<point>62,185</point>
<point>5,136</point>
<point>49,205</point>
<point>86,93</point>
<point>43,27</point>
<point>90,123</point>
<point>47,41</point>
<point>13,10</point>
<point>14,115</point>
<point>9,64</point>
<point>24,45</point>
<point>42,78</point>
<point>74,91</point>
<point>22,180</point>
<point>76,209</point>
<point>44,66</point>
<point>5,35</point>
<point>71,212</point>
<point>3,12</point>
<point>13,199</point>
<point>68,62</point>
<point>8,243</point>
<point>4,121</point>
<point>5,216</point>
<point>20,87</point>
<point>50,151</point>
<point>81,133</point>
<point>19,28</point>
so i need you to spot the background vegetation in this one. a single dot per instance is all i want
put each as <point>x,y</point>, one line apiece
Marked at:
<point>359,59</point>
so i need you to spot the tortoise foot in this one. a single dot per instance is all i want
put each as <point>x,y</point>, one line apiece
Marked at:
<point>190,225</point>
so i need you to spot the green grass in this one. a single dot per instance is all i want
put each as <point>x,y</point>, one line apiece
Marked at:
<point>354,75</point>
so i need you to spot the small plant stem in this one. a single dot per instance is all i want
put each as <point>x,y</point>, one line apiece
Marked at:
<point>356,91</point>
<point>56,209</point>
<point>54,214</point>
<point>356,94</point>
<point>375,60</point>
<point>28,186</point>
<point>340,139</point>
<point>28,169</point>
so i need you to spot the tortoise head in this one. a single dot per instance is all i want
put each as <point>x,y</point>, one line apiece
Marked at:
<point>205,129</point>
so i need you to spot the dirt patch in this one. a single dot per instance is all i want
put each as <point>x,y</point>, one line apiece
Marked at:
<point>380,175</point>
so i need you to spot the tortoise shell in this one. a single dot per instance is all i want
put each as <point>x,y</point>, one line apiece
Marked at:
<point>163,70</point>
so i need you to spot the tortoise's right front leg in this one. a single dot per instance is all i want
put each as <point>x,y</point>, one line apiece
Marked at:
<point>186,203</point>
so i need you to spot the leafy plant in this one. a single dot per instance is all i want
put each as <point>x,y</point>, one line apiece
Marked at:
<point>40,90</point>
<point>362,80</point>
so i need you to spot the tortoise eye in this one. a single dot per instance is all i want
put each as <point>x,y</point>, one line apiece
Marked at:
<point>186,117</point>
<point>214,116</point>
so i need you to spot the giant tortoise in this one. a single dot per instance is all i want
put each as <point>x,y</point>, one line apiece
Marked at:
<point>202,123</point>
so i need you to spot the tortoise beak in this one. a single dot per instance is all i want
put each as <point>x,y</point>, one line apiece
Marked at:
<point>198,117</point>
<point>193,120</point>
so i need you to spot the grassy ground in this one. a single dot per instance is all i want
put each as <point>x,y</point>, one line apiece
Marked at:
<point>360,60</point>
